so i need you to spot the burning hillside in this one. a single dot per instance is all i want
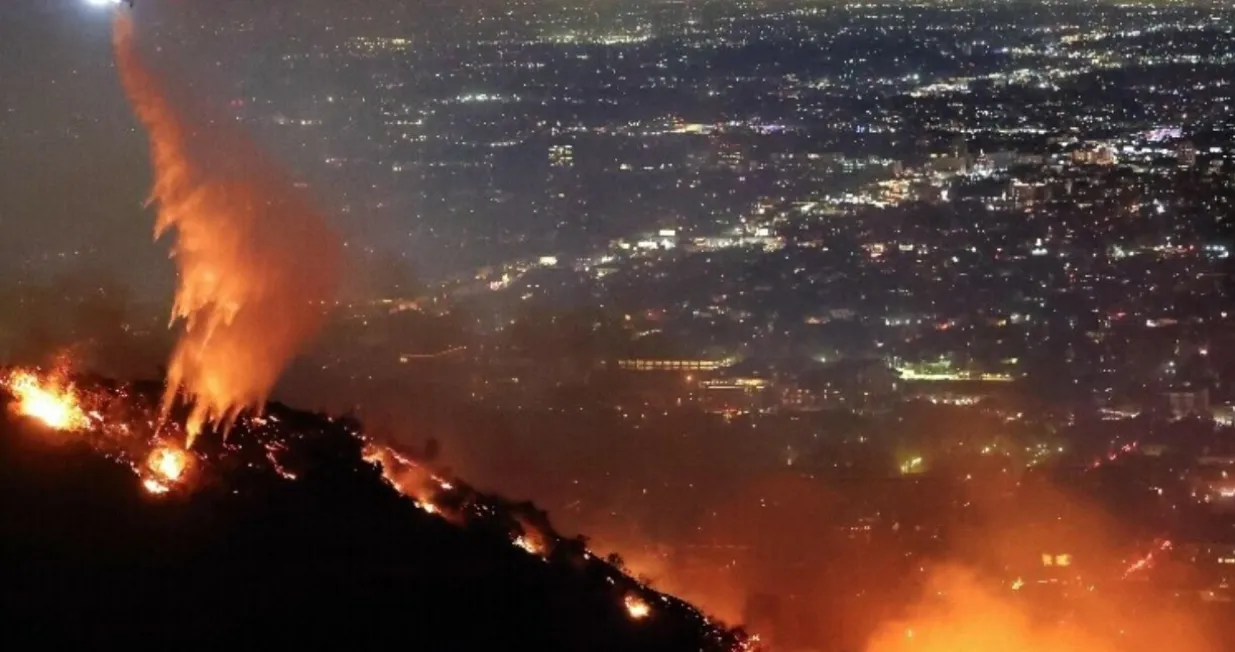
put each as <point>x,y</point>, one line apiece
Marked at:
<point>123,525</point>
<point>286,531</point>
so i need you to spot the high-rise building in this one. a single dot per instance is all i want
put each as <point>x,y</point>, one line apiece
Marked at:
<point>562,156</point>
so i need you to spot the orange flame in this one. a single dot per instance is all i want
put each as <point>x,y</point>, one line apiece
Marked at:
<point>256,263</point>
<point>403,473</point>
<point>59,408</point>
<point>155,487</point>
<point>528,544</point>
<point>168,463</point>
<point>637,607</point>
<point>167,466</point>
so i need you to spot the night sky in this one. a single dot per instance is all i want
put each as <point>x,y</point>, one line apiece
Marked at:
<point>73,170</point>
<point>74,173</point>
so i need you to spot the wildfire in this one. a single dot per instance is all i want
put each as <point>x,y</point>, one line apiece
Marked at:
<point>155,487</point>
<point>1114,455</point>
<point>166,466</point>
<point>58,405</point>
<point>168,463</point>
<point>256,263</point>
<point>637,607</point>
<point>275,464</point>
<point>59,408</point>
<point>407,476</point>
<point>1143,563</point>
<point>527,544</point>
<point>132,436</point>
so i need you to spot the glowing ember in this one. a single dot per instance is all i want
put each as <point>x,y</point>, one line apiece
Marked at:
<point>637,607</point>
<point>271,450</point>
<point>280,469</point>
<point>155,487</point>
<point>56,407</point>
<point>1148,560</point>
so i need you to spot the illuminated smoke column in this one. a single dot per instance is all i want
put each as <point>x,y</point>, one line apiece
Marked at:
<point>257,265</point>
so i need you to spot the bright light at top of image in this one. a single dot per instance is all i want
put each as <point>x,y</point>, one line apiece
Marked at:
<point>104,3</point>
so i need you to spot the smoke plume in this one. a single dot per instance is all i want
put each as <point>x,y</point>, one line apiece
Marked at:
<point>257,265</point>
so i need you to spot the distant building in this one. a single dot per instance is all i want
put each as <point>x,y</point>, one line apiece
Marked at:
<point>562,156</point>
<point>948,165</point>
<point>1104,155</point>
<point>684,364</point>
<point>734,395</point>
<point>1185,152</point>
<point>1026,194</point>
<point>1224,415</point>
<point>801,399</point>
<point>844,383</point>
<point>944,371</point>
<point>1186,401</point>
<point>929,193</point>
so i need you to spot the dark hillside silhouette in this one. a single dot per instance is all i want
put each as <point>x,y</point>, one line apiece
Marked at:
<point>335,558</point>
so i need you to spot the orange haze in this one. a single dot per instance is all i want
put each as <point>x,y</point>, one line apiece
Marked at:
<point>960,612</point>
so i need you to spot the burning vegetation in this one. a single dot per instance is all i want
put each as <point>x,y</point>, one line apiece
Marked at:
<point>98,418</point>
<point>284,448</point>
<point>49,401</point>
<point>166,466</point>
